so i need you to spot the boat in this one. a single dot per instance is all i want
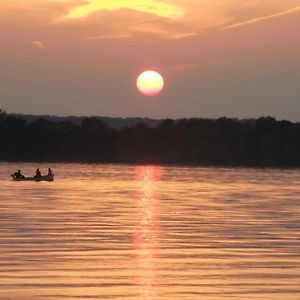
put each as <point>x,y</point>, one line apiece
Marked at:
<point>41,178</point>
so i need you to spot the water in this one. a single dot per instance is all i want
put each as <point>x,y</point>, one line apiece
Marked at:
<point>150,233</point>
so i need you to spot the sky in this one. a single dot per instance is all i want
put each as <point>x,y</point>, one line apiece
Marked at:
<point>219,58</point>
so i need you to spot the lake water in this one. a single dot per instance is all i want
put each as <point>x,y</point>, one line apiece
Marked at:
<point>150,233</point>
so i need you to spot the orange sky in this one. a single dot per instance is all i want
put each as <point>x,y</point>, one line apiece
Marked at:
<point>222,57</point>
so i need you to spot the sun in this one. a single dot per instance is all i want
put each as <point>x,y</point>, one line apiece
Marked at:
<point>150,83</point>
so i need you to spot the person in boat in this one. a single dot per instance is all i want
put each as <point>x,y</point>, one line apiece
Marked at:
<point>18,175</point>
<point>38,173</point>
<point>50,173</point>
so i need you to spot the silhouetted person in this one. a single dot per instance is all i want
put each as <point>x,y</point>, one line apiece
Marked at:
<point>18,175</point>
<point>38,173</point>
<point>50,173</point>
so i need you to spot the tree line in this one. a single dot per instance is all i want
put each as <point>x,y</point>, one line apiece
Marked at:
<point>225,142</point>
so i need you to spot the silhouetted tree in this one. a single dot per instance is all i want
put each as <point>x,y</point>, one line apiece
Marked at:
<point>225,141</point>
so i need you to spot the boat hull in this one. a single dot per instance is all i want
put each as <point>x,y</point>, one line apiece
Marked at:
<point>42,178</point>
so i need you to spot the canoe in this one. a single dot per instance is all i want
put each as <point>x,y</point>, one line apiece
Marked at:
<point>42,178</point>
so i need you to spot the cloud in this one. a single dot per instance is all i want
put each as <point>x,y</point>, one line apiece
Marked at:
<point>260,19</point>
<point>125,23</point>
<point>160,8</point>
<point>35,12</point>
<point>109,36</point>
<point>39,45</point>
<point>168,19</point>
<point>173,19</point>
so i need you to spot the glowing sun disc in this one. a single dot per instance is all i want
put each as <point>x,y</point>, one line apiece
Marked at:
<point>150,83</point>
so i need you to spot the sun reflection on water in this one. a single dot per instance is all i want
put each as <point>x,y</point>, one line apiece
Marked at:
<point>147,230</point>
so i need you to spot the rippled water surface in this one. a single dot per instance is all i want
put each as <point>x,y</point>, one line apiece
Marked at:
<point>150,233</point>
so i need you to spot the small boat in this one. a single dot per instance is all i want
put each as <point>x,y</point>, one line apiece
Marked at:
<point>41,178</point>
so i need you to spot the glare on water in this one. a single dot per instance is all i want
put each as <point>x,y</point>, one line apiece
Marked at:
<point>150,233</point>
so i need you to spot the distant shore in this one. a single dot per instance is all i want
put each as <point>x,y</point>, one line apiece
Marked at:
<point>21,163</point>
<point>223,142</point>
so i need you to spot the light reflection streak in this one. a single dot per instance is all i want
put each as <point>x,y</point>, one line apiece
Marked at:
<point>147,231</point>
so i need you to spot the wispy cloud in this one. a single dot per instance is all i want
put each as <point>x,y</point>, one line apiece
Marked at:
<point>264,18</point>
<point>109,36</point>
<point>39,44</point>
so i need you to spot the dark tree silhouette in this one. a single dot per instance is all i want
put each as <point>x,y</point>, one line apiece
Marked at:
<point>225,142</point>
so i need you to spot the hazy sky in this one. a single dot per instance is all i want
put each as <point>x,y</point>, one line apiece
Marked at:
<point>239,58</point>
